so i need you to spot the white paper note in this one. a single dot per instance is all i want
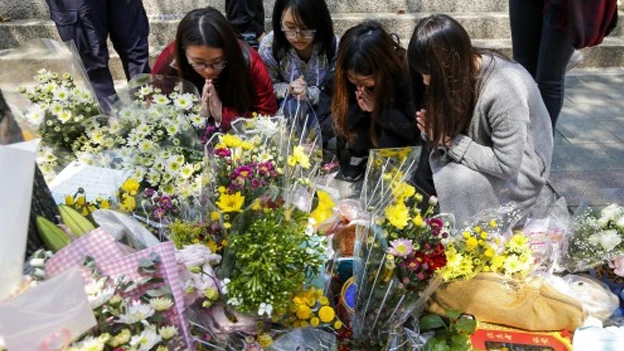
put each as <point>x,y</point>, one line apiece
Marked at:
<point>96,181</point>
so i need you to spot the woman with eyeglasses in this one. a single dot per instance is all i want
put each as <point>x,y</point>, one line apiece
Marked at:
<point>372,106</point>
<point>486,124</point>
<point>230,75</point>
<point>300,54</point>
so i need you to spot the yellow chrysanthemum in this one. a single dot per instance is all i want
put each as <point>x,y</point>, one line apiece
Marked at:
<point>231,140</point>
<point>326,314</point>
<point>493,223</point>
<point>518,242</point>
<point>402,191</point>
<point>338,325</point>
<point>265,340</point>
<point>81,200</point>
<point>231,203</point>
<point>315,322</point>
<point>398,215</point>
<point>299,157</point>
<point>130,186</point>
<point>324,300</point>
<point>471,244</point>
<point>303,312</point>
<point>418,220</point>
<point>69,200</point>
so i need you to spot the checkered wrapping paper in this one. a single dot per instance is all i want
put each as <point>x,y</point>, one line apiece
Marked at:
<point>112,261</point>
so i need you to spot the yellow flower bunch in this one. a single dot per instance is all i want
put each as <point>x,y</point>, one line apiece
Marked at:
<point>311,308</point>
<point>325,208</point>
<point>299,157</point>
<point>230,202</point>
<point>79,202</point>
<point>479,250</point>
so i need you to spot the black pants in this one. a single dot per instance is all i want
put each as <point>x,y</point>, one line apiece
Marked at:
<point>247,16</point>
<point>89,23</point>
<point>542,49</point>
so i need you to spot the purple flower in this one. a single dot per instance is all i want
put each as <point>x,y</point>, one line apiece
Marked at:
<point>223,152</point>
<point>420,276</point>
<point>436,225</point>
<point>255,183</point>
<point>149,192</point>
<point>244,172</point>
<point>159,213</point>
<point>401,248</point>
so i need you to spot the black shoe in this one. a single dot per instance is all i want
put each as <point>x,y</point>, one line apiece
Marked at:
<point>354,170</point>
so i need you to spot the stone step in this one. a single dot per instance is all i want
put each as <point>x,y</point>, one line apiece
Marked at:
<point>37,9</point>
<point>607,57</point>
<point>487,25</point>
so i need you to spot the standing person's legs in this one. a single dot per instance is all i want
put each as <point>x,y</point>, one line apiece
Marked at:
<point>247,16</point>
<point>525,17</point>
<point>84,22</point>
<point>129,30</point>
<point>555,52</point>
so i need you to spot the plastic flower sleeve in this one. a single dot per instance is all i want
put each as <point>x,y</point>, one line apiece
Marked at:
<point>16,184</point>
<point>392,283</point>
<point>594,237</point>
<point>50,88</point>
<point>48,316</point>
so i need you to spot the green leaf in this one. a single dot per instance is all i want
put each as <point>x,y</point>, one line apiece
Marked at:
<point>165,290</point>
<point>466,325</point>
<point>431,321</point>
<point>453,314</point>
<point>459,341</point>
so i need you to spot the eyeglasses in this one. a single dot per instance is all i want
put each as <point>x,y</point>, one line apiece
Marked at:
<point>219,66</point>
<point>298,33</point>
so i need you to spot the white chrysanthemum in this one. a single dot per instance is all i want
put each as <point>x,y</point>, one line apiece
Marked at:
<point>135,313</point>
<point>187,171</point>
<point>168,332</point>
<point>145,90</point>
<point>161,303</point>
<point>153,177</point>
<point>172,129</point>
<point>166,177</point>
<point>101,298</point>
<point>197,120</point>
<point>56,108</point>
<point>160,99</point>
<point>95,287</point>
<point>184,101</point>
<point>62,94</point>
<point>90,343</point>
<point>49,87</point>
<point>139,173</point>
<point>126,113</point>
<point>146,146</point>
<point>35,115</point>
<point>145,341</point>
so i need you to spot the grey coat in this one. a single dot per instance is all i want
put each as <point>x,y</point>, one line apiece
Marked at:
<point>506,153</point>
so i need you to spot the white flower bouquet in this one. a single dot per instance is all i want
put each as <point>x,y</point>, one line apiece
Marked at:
<point>595,238</point>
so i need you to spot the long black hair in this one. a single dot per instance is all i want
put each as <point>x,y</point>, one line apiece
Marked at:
<point>367,50</point>
<point>310,14</point>
<point>441,48</point>
<point>209,27</point>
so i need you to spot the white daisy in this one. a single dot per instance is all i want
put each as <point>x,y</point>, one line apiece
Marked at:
<point>136,313</point>
<point>160,99</point>
<point>146,340</point>
<point>184,101</point>
<point>161,303</point>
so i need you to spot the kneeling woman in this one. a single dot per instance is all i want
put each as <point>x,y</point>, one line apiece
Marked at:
<point>231,75</point>
<point>487,127</point>
<point>372,106</point>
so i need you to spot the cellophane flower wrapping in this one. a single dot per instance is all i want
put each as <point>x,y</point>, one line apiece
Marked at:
<point>49,87</point>
<point>594,237</point>
<point>491,241</point>
<point>398,250</point>
<point>262,272</point>
<point>154,134</point>
<point>137,297</point>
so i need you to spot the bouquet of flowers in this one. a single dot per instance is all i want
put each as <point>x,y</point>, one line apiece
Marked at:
<point>595,238</point>
<point>488,244</point>
<point>136,297</point>
<point>55,100</point>
<point>262,253</point>
<point>397,252</point>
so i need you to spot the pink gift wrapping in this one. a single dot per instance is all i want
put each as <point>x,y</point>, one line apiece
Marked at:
<point>111,260</point>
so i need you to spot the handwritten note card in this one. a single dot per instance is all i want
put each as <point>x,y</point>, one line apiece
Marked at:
<point>96,181</point>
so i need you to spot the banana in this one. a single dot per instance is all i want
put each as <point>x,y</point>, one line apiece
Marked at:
<point>54,238</point>
<point>76,222</point>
